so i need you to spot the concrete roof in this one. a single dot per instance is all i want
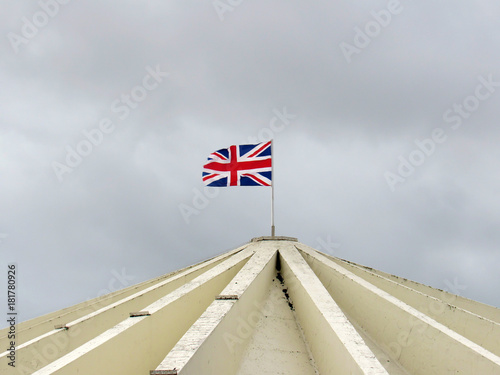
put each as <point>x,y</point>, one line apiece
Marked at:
<point>272,306</point>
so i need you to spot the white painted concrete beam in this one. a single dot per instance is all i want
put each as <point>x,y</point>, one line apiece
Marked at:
<point>419,343</point>
<point>149,337</point>
<point>56,343</point>
<point>335,344</point>
<point>213,345</point>
<point>37,327</point>
<point>478,329</point>
<point>481,309</point>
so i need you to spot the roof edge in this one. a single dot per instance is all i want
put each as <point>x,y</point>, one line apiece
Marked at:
<point>274,238</point>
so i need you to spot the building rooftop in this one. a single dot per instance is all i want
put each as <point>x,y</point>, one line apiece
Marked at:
<point>272,306</point>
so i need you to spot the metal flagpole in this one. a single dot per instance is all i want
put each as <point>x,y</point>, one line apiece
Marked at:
<point>272,191</point>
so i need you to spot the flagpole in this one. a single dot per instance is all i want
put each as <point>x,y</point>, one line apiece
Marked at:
<point>272,191</point>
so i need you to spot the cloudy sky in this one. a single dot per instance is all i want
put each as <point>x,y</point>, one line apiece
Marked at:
<point>384,116</point>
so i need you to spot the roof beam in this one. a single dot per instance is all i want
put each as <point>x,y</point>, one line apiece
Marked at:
<point>170,317</point>
<point>213,345</point>
<point>409,336</point>
<point>335,344</point>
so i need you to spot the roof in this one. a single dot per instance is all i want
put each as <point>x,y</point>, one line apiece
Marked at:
<point>272,306</point>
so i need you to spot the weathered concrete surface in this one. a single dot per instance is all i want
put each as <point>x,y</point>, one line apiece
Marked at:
<point>273,306</point>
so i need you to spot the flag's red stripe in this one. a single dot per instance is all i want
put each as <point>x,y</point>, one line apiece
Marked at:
<point>209,176</point>
<point>242,165</point>
<point>262,182</point>
<point>219,155</point>
<point>260,149</point>
<point>233,166</point>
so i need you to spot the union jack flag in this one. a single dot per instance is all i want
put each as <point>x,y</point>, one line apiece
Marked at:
<point>243,165</point>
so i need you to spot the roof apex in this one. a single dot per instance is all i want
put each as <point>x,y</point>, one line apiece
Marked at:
<point>274,238</point>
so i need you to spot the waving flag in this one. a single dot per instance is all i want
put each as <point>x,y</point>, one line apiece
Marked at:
<point>244,165</point>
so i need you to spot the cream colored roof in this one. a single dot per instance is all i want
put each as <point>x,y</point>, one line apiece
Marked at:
<point>273,306</point>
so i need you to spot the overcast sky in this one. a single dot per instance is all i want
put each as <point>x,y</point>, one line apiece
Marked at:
<point>384,116</point>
